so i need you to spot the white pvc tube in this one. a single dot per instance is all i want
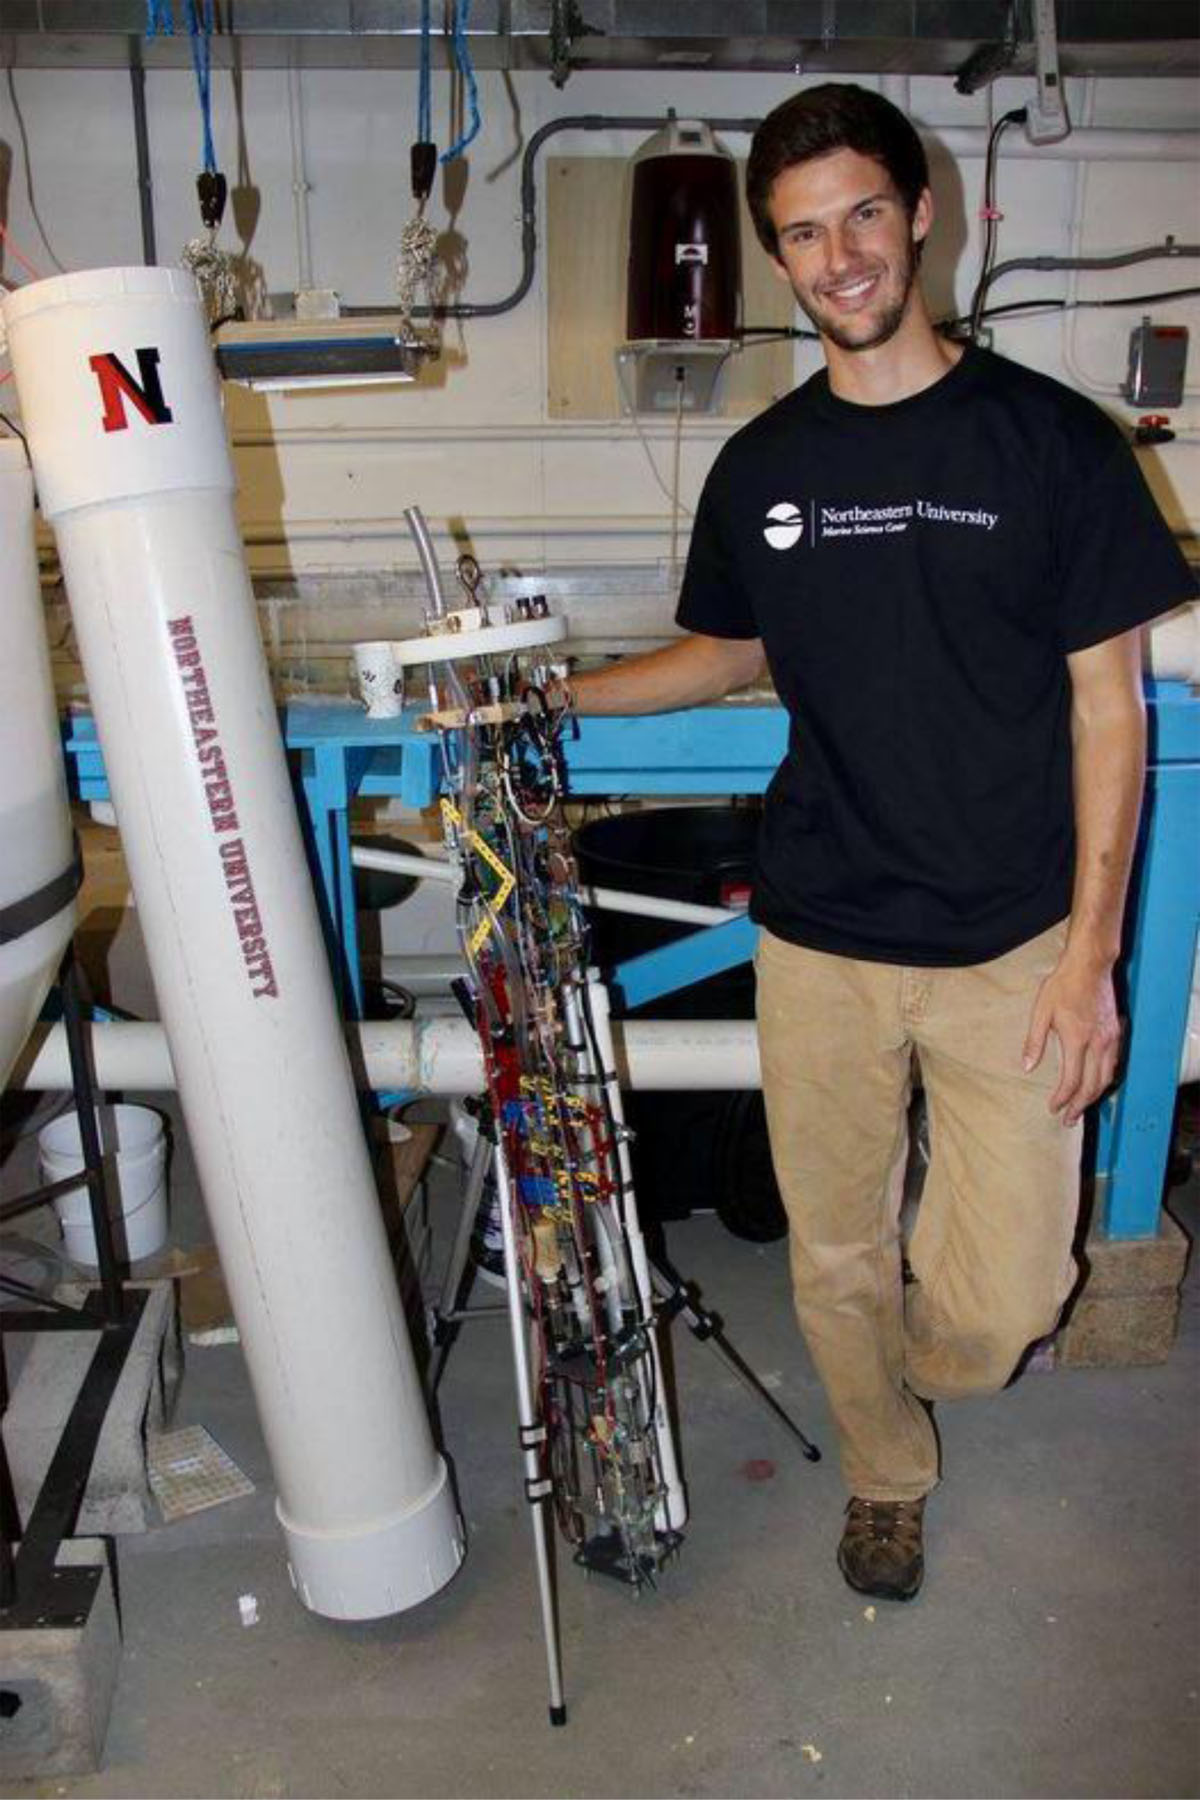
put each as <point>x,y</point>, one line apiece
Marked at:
<point>1189,1069</point>
<point>121,405</point>
<point>1091,144</point>
<point>1171,646</point>
<point>539,1486</point>
<point>673,1511</point>
<point>429,1056</point>
<point>35,826</point>
<point>441,1056</point>
<point>300,182</point>
<point>642,906</point>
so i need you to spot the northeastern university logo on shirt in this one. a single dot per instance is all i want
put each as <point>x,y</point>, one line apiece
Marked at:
<point>785,525</point>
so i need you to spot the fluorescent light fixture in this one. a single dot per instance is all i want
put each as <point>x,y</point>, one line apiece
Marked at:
<point>299,384</point>
<point>278,355</point>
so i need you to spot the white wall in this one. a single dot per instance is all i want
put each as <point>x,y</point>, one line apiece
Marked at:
<point>325,477</point>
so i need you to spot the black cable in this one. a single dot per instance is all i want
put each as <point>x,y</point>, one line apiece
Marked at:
<point>776,331</point>
<point>578,122</point>
<point>1167,251</point>
<point>15,429</point>
<point>1015,117</point>
<point>1055,304</point>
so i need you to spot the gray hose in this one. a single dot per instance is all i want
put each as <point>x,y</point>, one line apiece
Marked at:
<point>414,518</point>
<point>1167,250</point>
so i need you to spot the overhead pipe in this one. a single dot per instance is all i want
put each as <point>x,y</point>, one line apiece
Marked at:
<point>121,403</point>
<point>301,186</point>
<point>141,141</point>
<point>1097,143</point>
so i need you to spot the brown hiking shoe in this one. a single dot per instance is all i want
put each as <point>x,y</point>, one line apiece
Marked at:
<point>880,1552</point>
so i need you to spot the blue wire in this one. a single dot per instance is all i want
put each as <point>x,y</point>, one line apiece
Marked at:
<point>159,19</point>
<point>425,100</point>
<point>462,56</point>
<point>201,30</point>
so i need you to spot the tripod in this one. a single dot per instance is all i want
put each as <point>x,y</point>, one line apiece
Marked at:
<point>677,1296</point>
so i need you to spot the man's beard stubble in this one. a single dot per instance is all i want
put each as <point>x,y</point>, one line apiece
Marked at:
<point>887,325</point>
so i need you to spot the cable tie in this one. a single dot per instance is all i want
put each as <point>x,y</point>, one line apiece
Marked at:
<point>531,1436</point>
<point>990,212</point>
<point>541,1489</point>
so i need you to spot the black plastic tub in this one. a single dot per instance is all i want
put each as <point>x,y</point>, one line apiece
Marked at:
<point>691,1149</point>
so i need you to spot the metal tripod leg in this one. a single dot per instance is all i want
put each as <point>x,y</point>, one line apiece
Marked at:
<point>450,1308</point>
<point>681,1298</point>
<point>539,1485</point>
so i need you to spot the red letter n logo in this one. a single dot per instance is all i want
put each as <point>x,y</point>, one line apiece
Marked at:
<point>117,385</point>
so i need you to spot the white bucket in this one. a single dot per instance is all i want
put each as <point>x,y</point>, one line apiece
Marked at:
<point>135,1154</point>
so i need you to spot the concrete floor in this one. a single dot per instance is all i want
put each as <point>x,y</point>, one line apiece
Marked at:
<point>1053,1650</point>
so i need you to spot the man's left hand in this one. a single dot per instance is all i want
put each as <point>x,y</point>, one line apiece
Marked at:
<point>1076,1002</point>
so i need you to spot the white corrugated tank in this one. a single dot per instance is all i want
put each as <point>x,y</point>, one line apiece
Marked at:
<point>35,826</point>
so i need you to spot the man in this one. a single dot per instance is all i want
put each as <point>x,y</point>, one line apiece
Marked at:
<point>943,558</point>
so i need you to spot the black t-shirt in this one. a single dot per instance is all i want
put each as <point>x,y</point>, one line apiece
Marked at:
<point>918,573</point>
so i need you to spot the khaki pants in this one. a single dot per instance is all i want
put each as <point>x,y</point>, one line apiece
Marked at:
<point>991,1250</point>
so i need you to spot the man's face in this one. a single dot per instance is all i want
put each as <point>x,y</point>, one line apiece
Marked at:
<point>846,246</point>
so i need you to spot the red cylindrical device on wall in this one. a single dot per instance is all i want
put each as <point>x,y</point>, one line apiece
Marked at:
<point>684,256</point>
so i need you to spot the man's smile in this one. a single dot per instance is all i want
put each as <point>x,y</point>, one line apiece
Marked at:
<point>847,294</point>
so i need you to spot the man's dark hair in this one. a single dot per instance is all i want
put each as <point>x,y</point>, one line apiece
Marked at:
<point>837,115</point>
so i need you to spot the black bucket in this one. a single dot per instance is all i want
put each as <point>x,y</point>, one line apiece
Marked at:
<point>691,1149</point>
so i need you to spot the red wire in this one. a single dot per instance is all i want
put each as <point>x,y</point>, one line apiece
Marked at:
<point>18,255</point>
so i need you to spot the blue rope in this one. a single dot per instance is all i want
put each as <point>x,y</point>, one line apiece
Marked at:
<point>201,28</point>
<point>159,19</point>
<point>425,91</point>
<point>462,56</point>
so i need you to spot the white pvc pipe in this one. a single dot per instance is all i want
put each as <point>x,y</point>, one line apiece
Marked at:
<point>673,1510</point>
<point>1094,144</point>
<point>35,826</point>
<point>642,906</point>
<point>123,1056</point>
<point>1190,1067</point>
<point>897,89</point>
<point>1171,646</point>
<point>300,182</point>
<point>431,1056</point>
<point>441,1056</point>
<point>121,404</point>
<point>653,906</point>
<point>538,1486</point>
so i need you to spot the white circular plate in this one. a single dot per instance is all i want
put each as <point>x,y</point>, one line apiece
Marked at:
<point>490,640</point>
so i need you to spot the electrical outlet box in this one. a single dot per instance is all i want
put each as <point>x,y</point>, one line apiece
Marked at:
<point>1157,365</point>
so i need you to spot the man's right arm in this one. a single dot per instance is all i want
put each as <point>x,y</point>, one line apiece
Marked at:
<point>688,672</point>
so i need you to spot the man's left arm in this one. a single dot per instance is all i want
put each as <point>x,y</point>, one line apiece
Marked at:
<point>1076,1002</point>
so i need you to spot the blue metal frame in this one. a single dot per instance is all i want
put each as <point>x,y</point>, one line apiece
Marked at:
<point>1134,1128</point>
<point>732,750</point>
<point>340,754</point>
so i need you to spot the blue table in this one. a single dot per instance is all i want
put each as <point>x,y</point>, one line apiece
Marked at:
<point>730,750</point>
